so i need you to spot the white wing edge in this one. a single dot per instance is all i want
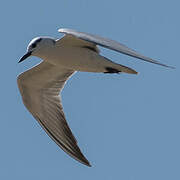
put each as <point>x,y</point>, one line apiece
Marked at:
<point>110,44</point>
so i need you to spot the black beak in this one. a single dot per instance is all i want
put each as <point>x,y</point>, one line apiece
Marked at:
<point>25,56</point>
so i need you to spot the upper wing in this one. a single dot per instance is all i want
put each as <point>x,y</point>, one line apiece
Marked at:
<point>40,88</point>
<point>70,40</point>
<point>111,44</point>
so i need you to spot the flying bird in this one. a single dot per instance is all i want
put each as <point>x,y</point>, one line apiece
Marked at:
<point>40,86</point>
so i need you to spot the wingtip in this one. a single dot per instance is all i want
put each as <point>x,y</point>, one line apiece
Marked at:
<point>85,162</point>
<point>167,66</point>
<point>172,67</point>
<point>89,165</point>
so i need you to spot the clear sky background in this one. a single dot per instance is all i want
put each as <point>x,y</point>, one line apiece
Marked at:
<point>127,126</point>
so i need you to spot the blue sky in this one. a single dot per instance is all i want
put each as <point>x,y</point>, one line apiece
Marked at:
<point>126,125</point>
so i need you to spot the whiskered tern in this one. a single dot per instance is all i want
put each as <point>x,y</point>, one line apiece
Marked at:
<point>41,86</point>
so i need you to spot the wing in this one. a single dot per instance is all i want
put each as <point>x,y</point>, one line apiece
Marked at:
<point>71,40</point>
<point>40,88</point>
<point>110,44</point>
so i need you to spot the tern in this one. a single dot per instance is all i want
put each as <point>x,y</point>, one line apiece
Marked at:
<point>41,85</point>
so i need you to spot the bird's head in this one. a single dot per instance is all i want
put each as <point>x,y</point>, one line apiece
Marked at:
<point>38,46</point>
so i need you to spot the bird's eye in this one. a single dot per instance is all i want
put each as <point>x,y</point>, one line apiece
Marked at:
<point>33,45</point>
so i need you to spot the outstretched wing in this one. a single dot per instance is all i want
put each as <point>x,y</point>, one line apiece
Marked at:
<point>40,88</point>
<point>110,44</point>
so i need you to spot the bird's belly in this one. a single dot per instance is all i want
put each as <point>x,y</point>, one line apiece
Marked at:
<point>78,59</point>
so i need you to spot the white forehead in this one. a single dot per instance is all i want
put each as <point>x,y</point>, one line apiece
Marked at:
<point>42,40</point>
<point>34,40</point>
